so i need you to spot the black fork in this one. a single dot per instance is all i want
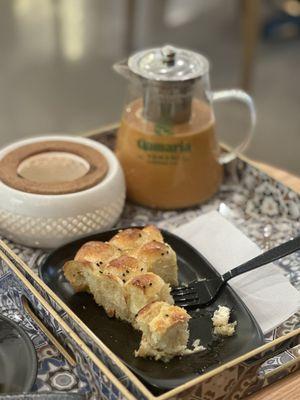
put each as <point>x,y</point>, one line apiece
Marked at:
<point>203,292</point>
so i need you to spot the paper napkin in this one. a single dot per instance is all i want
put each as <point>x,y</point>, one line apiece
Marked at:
<point>266,291</point>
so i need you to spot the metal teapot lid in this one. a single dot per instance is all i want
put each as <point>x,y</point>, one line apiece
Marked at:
<point>168,63</point>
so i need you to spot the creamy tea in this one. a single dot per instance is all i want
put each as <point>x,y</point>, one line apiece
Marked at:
<point>166,165</point>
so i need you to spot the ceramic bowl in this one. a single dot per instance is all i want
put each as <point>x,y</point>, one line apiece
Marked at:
<point>49,221</point>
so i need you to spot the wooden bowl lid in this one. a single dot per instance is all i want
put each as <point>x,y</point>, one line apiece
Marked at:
<point>72,167</point>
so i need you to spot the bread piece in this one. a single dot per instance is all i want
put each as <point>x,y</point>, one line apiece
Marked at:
<point>225,330</point>
<point>144,289</point>
<point>153,233</point>
<point>221,323</point>
<point>73,271</point>
<point>221,316</point>
<point>99,253</point>
<point>96,253</point>
<point>125,267</point>
<point>165,331</point>
<point>107,290</point>
<point>128,239</point>
<point>132,238</point>
<point>160,259</point>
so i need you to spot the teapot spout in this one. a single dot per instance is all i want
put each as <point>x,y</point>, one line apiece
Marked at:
<point>121,67</point>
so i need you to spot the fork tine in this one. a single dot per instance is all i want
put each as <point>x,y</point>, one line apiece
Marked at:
<point>183,292</point>
<point>191,286</point>
<point>185,299</point>
<point>179,288</point>
<point>180,296</point>
<point>188,303</point>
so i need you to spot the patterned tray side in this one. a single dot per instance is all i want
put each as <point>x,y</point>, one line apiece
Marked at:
<point>99,382</point>
<point>54,373</point>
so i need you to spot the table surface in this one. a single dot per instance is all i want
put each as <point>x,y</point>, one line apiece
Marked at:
<point>287,388</point>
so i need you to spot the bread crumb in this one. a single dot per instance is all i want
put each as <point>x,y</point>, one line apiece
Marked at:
<point>225,330</point>
<point>221,323</point>
<point>221,316</point>
<point>196,347</point>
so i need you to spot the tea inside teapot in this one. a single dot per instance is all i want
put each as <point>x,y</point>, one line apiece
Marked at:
<point>166,142</point>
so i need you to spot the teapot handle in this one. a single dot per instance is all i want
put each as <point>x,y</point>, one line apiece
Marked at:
<point>240,95</point>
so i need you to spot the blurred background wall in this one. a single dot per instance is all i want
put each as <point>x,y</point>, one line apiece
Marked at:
<point>56,58</point>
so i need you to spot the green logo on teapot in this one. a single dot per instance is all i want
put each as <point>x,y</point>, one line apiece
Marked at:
<point>163,128</point>
<point>181,147</point>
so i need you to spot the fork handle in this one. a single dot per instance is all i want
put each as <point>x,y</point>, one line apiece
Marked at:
<point>269,256</point>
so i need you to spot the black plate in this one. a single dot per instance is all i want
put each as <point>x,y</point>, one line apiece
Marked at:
<point>18,364</point>
<point>122,339</point>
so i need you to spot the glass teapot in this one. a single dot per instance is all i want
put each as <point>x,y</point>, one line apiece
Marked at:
<point>166,142</point>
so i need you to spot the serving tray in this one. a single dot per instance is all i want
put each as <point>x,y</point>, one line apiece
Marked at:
<point>123,340</point>
<point>267,212</point>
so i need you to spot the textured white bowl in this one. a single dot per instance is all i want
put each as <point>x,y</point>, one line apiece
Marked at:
<point>48,221</point>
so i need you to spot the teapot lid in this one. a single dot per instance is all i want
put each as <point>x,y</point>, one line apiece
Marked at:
<point>168,63</point>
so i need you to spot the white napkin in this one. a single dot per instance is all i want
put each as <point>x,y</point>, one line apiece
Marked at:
<point>266,291</point>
